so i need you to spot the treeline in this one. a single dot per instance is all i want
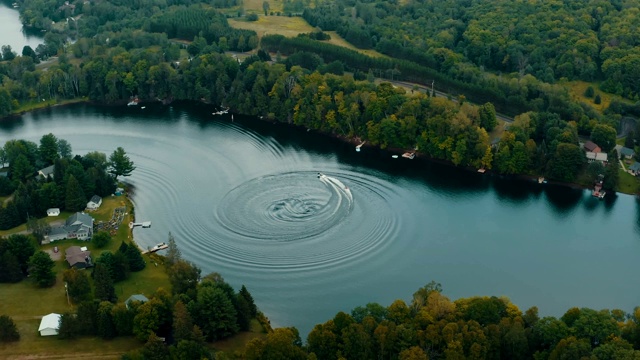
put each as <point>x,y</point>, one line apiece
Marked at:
<point>510,94</point>
<point>550,41</point>
<point>175,324</point>
<point>196,20</point>
<point>433,327</point>
<point>72,182</point>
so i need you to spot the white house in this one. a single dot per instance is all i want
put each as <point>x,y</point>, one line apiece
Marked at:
<point>49,325</point>
<point>53,212</point>
<point>48,171</point>
<point>593,156</point>
<point>94,203</point>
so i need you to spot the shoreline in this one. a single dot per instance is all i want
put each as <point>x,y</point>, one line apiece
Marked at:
<point>345,139</point>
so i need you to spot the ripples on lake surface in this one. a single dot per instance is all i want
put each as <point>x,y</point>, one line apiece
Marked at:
<point>244,199</point>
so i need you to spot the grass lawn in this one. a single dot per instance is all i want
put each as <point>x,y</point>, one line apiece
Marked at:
<point>255,6</point>
<point>628,183</point>
<point>234,346</point>
<point>338,40</point>
<point>282,25</point>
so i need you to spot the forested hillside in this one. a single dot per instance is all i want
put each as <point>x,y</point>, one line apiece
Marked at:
<point>587,40</point>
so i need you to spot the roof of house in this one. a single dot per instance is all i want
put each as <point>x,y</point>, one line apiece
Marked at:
<point>137,297</point>
<point>626,151</point>
<point>75,254</point>
<point>51,321</point>
<point>80,218</point>
<point>48,170</point>
<point>596,156</point>
<point>95,199</point>
<point>53,210</point>
<point>590,145</point>
<point>635,166</point>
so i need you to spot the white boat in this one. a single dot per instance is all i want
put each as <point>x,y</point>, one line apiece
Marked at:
<point>394,156</point>
<point>143,107</point>
<point>335,183</point>
<point>132,103</point>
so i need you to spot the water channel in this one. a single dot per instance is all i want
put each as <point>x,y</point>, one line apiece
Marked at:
<point>243,199</point>
<point>13,33</point>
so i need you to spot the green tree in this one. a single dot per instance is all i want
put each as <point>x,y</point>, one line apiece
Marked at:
<point>117,264</point>
<point>41,269</point>
<point>64,149</point>
<point>136,262</point>
<point>78,285</point>
<point>413,353</point>
<point>39,228</point>
<point>249,299</point>
<point>22,247</point>
<point>589,92</point>
<point>597,100</point>
<point>629,141</point>
<point>75,199</point>
<point>122,319</point>
<point>214,313</point>
<point>103,283</point>
<point>101,239</point>
<point>155,348</point>
<point>147,321</point>
<point>69,327</point>
<point>21,168</point>
<point>566,162</point>
<point>8,329</point>
<point>182,322</point>
<point>105,327</point>
<point>120,164</point>
<point>10,271</point>
<point>488,118</point>
<point>605,136</point>
<point>189,349</point>
<point>184,277</point>
<point>282,343</point>
<point>48,150</point>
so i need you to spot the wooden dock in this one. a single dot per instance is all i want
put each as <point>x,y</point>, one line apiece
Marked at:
<point>158,247</point>
<point>145,224</point>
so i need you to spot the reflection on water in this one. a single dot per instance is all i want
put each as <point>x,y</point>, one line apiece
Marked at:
<point>13,33</point>
<point>243,199</point>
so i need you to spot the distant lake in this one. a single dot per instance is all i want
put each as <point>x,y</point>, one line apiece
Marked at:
<point>244,199</point>
<point>13,33</point>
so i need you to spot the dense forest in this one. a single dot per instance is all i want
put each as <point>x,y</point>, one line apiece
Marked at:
<point>322,86</point>
<point>432,326</point>
<point>73,180</point>
<point>589,40</point>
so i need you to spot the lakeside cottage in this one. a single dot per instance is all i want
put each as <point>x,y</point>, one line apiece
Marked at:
<point>94,203</point>
<point>77,226</point>
<point>635,169</point>
<point>626,153</point>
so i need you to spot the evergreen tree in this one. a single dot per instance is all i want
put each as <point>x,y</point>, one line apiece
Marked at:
<point>123,319</point>
<point>182,322</point>
<point>8,329</point>
<point>249,299</point>
<point>10,271</point>
<point>120,164</point>
<point>22,247</point>
<point>105,326</point>
<point>597,100</point>
<point>75,199</point>
<point>214,313</point>
<point>41,269</point>
<point>136,262</point>
<point>155,349</point>
<point>69,327</point>
<point>173,253</point>
<point>88,317</point>
<point>103,283</point>
<point>101,239</point>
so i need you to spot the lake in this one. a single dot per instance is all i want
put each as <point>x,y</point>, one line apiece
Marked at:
<point>244,199</point>
<point>13,33</point>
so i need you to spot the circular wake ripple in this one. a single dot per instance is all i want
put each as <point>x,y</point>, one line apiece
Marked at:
<point>294,221</point>
<point>283,207</point>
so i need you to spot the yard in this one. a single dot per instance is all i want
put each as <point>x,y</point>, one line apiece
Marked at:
<point>282,25</point>
<point>628,183</point>
<point>26,303</point>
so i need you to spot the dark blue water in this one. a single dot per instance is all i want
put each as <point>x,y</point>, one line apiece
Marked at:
<point>243,199</point>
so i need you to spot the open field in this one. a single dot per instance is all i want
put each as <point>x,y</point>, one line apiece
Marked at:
<point>269,25</point>
<point>628,183</point>
<point>255,6</point>
<point>338,40</point>
<point>577,89</point>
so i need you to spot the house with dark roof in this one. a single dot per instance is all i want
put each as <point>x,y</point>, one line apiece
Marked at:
<point>626,153</point>
<point>77,226</point>
<point>78,257</point>
<point>94,203</point>
<point>590,146</point>
<point>48,171</point>
<point>635,168</point>
<point>137,297</point>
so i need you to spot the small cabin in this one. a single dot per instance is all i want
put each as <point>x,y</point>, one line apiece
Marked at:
<point>53,212</point>
<point>94,203</point>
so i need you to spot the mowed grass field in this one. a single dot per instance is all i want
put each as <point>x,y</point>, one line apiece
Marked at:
<point>255,6</point>
<point>270,25</point>
<point>26,303</point>
<point>577,89</point>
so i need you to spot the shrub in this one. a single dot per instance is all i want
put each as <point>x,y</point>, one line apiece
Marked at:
<point>252,17</point>
<point>8,330</point>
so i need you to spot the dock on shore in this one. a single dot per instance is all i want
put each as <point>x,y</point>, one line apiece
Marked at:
<point>145,224</point>
<point>158,247</point>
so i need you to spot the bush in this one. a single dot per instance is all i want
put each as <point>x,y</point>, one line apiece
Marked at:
<point>8,329</point>
<point>252,17</point>
<point>597,100</point>
<point>101,239</point>
<point>589,92</point>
